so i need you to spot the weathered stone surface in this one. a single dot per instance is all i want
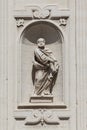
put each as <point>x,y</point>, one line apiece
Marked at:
<point>64,28</point>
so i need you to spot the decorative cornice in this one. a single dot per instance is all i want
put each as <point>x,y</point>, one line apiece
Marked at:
<point>35,12</point>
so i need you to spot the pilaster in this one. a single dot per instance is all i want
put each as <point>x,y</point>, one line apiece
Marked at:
<point>3,65</point>
<point>81,57</point>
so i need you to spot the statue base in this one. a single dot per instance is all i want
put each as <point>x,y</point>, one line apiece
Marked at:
<point>41,99</point>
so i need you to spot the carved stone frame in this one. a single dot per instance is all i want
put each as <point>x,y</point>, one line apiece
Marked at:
<point>58,19</point>
<point>64,46</point>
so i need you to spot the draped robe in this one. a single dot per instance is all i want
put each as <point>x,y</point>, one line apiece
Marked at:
<point>45,69</point>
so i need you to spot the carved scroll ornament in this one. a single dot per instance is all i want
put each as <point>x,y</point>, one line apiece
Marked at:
<point>45,117</point>
<point>42,117</point>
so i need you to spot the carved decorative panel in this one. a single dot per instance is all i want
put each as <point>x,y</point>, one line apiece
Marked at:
<point>50,105</point>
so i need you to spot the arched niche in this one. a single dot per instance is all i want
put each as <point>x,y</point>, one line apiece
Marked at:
<point>28,39</point>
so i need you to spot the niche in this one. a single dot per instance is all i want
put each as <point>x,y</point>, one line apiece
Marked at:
<point>28,40</point>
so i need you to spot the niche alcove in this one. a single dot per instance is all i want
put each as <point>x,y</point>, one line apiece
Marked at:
<point>28,40</point>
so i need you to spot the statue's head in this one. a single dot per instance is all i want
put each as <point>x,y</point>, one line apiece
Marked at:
<point>41,43</point>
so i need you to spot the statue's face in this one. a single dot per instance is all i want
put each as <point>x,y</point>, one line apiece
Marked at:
<point>41,43</point>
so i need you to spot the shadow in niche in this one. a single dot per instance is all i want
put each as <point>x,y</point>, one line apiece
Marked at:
<point>28,40</point>
<point>41,29</point>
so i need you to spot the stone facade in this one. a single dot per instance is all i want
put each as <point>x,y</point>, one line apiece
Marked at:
<point>63,24</point>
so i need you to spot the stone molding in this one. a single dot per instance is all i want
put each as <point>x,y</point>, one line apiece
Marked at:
<point>42,116</point>
<point>35,12</point>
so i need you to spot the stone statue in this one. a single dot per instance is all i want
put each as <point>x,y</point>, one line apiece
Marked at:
<point>45,69</point>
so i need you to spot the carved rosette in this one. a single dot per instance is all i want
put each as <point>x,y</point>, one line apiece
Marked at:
<point>20,22</point>
<point>62,21</point>
<point>41,14</point>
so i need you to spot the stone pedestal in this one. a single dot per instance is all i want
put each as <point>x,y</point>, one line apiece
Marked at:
<point>41,99</point>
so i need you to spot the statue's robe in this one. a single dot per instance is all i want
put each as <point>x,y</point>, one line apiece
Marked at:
<point>45,68</point>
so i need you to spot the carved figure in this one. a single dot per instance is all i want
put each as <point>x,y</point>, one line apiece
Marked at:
<point>45,69</point>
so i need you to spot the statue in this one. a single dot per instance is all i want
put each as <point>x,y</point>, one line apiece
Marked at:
<point>45,69</point>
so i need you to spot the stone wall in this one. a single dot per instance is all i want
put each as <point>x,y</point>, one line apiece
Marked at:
<point>69,112</point>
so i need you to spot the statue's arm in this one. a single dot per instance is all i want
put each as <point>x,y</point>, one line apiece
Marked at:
<point>44,59</point>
